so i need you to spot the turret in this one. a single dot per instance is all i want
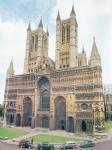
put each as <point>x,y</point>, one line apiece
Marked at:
<point>29,27</point>
<point>58,17</point>
<point>58,40</point>
<point>95,59</point>
<point>27,48</point>
<point>10,70</point>
<point>47,32</point>
<point>40,24</point>
<point>72,11</point>
<point>84,57</point>
<point>73,39</point>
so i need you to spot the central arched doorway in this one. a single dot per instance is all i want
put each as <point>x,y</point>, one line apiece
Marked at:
<point>45,122</point>
<point>84,126</point>
<point>27,111</point>
<point>44,91</point>
<point>60,113</point>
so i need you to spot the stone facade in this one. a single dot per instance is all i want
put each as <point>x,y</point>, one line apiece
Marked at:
<point>66,94</point>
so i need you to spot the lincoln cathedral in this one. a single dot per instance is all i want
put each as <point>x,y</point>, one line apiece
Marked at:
<point>65,94</point>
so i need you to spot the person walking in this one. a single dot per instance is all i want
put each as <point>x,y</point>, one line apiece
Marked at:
<point>32,141</point>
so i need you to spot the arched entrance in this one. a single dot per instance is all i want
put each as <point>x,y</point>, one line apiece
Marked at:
<point>70,124</point>
<point>45,122</point>
<point>84,126</point>
<point>27,111</point>
<point>60,113</point>
<point>18,120</point>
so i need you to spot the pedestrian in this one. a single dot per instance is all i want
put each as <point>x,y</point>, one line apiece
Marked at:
<point>32,140</point>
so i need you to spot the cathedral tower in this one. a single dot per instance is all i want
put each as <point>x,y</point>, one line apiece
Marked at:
<point>36,48</point>
<point>66,41</point>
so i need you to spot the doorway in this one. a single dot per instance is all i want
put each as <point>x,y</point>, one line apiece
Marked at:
<point>84,127</point>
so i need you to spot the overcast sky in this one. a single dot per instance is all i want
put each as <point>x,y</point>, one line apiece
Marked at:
<point>94,18</point>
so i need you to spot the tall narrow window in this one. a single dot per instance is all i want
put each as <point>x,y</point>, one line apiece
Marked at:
<point>32,44</point>
<point>36,42</point>
<point>68,33</point>
<point>63,35</point>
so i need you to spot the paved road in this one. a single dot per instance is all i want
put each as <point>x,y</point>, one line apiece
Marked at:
<point>101,146</point>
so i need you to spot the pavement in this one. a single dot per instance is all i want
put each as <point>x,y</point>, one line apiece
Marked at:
<point>98,137</point>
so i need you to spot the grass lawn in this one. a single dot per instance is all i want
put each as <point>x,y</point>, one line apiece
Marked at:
<point>11,132</point>
<point>52,139</point>
<point>108,125</point>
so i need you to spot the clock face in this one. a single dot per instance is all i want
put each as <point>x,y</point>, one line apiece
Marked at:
<point>84,106</point>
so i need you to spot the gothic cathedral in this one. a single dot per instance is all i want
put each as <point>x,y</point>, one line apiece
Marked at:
<point>66,94</point>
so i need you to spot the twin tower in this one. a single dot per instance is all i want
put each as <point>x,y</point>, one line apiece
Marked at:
<point>66,55</point>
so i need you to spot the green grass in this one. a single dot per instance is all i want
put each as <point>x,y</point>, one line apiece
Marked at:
<point>11,132</point>
<point>52,139</point>
<point>108,125</point>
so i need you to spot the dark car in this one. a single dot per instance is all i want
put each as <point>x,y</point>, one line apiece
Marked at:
<point>69,145</point>
<point>25,144</point>
<point>45,146</point>
<point>87,143</point>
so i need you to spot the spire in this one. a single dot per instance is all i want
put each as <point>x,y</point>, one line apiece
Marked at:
<point>94,49</point>
<point>10,70</point>
<point>83,50</point>
<point>47,31</point>
<point>95,56</point>
<point>58,16</point>
<point>29,27</point>
<point>72,11</point>
<point>40,23</point>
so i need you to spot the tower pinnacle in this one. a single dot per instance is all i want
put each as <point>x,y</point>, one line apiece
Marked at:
<point>47,31</point>
<point>29,27</point>
<point>10,70</point>
<point>58,16</point>
<point>40,24</point>
<point>95,59</point>
<point>72,11</point>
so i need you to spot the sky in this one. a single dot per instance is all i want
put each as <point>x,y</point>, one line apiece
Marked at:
<point>94,18</point>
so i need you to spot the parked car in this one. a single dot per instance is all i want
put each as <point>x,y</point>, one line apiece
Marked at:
<point>25,144</point>
<point>87,143</point>
<point>45,146</point>
<point>69,145</point>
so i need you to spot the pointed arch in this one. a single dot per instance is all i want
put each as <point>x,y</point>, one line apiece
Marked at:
<point>36,42</point>
<point>68,33</point>
<point>63,34</point>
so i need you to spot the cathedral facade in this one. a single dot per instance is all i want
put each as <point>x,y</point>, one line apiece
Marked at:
<point>66,94</point>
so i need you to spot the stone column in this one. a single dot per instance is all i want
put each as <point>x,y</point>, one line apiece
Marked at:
<point>52,121</point>
<point>36,105</point>
<point>22,120</point>
<point>75,123</point>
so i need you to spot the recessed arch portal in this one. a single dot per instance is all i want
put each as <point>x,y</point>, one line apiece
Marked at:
<point>60,113</point>
<point>27,111</point>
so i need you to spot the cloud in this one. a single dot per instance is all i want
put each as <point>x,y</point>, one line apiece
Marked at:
<point>13,39</point>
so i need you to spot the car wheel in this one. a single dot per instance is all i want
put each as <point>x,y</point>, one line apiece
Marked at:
<point>29,147</point>
<point>21,146</point>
